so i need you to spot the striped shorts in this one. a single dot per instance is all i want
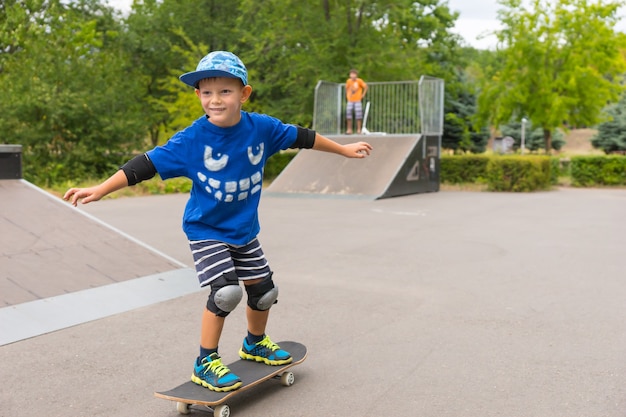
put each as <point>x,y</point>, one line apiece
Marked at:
<point>213,258</point>
<point>355,106</point>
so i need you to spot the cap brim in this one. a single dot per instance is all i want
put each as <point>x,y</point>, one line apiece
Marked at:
<point>192,78</point>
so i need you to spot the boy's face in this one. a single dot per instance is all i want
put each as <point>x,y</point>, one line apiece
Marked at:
<point>221,99</point>
<point>353,75</point>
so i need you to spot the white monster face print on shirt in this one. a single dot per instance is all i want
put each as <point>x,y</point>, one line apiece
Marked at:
<point>232,189</point>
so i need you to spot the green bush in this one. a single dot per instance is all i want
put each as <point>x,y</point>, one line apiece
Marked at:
<point>559,167</point>
<point>461,169</point>
<point>598,170</point>
<point>519,173</point>
<point>501,173</point>
<point>555,170</point>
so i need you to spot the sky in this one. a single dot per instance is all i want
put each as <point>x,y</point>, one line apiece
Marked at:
<point>476,19</point>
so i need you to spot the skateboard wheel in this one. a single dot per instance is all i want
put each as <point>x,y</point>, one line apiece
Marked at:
<point>222,410</point>
<point>287,379</point>
<point>182,408</point>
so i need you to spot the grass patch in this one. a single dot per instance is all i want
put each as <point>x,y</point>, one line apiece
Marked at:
<point>466,186</point>
<point>151,187</point>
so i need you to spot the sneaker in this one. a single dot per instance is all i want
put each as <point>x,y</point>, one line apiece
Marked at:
<point>211,373</point>
<point>264,351</point>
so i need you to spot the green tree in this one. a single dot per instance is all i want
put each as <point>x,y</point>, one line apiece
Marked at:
<point>149,41</point>
<point>560,64</point>
<point>459,131</point>
<point>83,86</point>
<point>180,101</point>
<point>611,136</point>
<point>161,34</point>
<point>208,22</point>
<point>71,105</point>
<point>386,40</point>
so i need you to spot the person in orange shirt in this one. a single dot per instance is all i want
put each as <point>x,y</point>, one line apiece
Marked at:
<point>356,89</point>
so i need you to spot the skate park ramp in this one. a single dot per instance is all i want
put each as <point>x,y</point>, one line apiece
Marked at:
<point>398,165</point>
<point>60,267</point>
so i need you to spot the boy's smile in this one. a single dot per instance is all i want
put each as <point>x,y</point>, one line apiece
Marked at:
<point>221,99</point>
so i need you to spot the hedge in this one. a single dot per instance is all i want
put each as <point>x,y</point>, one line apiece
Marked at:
<point>464,168</point>
<point>519,173</point>
<point>598,170</point>
<point>500,173</point>
<point>510,172</point>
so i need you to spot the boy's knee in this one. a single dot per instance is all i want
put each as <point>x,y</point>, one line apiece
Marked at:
<point>262,295</point>
<point>225,294</point>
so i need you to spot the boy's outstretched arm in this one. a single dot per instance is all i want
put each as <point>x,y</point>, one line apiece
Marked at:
<point>116,182</point>
<point>350,150</point>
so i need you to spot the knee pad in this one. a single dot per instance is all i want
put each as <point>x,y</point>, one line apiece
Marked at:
<point>225,294</point>
<point>263,294</point>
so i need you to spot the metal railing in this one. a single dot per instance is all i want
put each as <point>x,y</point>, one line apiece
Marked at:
<point>327,110</point>
<point>400,107</point>
<point>431,100</point>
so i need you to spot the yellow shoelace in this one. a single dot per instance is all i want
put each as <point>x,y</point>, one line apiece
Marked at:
<point>266,342</point>
<point>218,367</point>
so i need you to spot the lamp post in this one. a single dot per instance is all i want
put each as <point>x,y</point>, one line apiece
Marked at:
<point>524,121</point>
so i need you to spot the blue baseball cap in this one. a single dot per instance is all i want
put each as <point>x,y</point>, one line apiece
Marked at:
<point>217,64</point>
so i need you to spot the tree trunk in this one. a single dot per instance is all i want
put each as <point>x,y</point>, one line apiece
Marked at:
<point>326,10</point>
<point>349,18</point>
<point>154,136</point>
<point>547,138</point>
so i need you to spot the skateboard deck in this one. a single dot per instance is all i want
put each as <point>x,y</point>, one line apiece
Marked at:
<point>251,374</point>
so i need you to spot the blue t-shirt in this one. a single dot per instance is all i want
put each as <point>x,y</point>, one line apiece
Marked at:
<point>226,167</point>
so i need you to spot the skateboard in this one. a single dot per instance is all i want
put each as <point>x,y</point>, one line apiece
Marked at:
<point>251,373</point>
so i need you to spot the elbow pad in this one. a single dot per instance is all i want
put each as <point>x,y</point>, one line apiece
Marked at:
<point>138,169</point>
<point>305,139</point>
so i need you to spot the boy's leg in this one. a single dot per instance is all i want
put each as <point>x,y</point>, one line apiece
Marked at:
<point>257,320</point>
<point>211,330</point>
<point>252,267</point>
<point>358,110</point>
<point>257,346</point>
<point>209,371</point>
<point>349,111</point>
<point>213,260</point>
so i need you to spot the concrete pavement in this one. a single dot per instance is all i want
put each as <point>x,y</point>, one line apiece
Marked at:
<point>450,304</point>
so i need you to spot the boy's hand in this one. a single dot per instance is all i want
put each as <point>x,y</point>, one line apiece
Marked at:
<point>86,194</point>
<point>115,182</point>
<point>357,150</point>
<point>350,150</point>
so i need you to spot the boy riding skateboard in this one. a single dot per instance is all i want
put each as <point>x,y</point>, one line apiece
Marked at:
<point>224,152</point>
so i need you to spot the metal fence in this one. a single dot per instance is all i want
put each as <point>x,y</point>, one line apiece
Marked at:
<point>431,105</point>
<point>401,107</point>
<point>327,110</point>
